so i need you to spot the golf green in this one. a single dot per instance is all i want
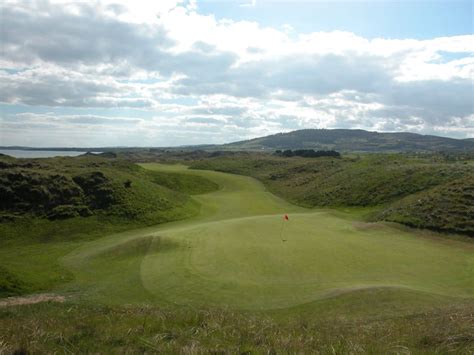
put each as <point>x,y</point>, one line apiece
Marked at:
<point>240,253</point>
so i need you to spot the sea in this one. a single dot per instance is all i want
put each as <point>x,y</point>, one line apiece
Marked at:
<point>17,153</point>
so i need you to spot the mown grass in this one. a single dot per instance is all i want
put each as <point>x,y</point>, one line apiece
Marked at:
<point>233,255</point>
<point>245,263</point>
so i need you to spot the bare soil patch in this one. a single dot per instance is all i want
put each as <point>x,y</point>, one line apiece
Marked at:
<point>32,299</point>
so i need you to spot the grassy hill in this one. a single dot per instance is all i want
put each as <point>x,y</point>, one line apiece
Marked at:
<point>68,200</point>
<point>236,276</point>
<point>352,140</point>
<point>62,188</point>
<point>447,207</point>
<point>361,181</point>
<point>232,279</point>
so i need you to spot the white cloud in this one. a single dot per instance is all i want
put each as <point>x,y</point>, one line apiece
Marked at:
<point>222,78</point>
<point>250,3</point>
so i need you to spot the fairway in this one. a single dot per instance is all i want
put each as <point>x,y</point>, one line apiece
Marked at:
<point>240,253</point>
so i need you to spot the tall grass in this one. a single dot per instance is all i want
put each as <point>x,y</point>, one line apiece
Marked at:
<point>81,328</point>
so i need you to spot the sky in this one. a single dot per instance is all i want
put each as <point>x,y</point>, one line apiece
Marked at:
<point>181,72</point>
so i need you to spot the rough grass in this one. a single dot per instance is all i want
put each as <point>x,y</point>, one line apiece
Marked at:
<point>60,188</point>
<point>367,180</point>
<point>31,243</point>
<point>86,328</point>
<point>448,207</point>
<point>10,284</point>
<point>351,181</point>
<point>185,183</point>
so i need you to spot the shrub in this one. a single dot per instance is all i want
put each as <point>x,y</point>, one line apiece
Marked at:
<point>307,153</point>
<point>10,285</point>
<point>68,211</point>
<point>97,188</point>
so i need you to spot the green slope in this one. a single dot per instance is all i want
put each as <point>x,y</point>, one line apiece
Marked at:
<point>232,255</point>
<point>41,205</point>
<point>244,263</point>
<point>224,281</point>
<point>448,207</point>
<point>378,180</point>
<point>62,188</point>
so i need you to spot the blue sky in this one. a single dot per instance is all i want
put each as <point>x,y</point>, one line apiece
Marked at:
<point>370,19</point>
<point>177,72</point>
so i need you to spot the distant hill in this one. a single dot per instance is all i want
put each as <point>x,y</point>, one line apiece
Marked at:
<point>342,140</point>
<point>353,140</point>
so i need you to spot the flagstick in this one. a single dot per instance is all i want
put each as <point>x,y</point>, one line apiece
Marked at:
<point>281,230</point>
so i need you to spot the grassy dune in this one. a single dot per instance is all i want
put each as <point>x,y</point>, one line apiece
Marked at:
<point>42,203</point>
<point>231,279</point>
<point>448,207</point>
<point>239,253</point>
<point>424,191</point>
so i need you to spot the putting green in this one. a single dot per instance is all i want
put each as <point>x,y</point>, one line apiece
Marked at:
<point>240,253</point>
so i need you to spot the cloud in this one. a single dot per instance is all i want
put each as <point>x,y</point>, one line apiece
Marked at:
<point>311,74</point>
<point>224,79</point>
<point>251,3</point>
<point>70,39</point>
<point>43,87</point>
<point>205,121</point>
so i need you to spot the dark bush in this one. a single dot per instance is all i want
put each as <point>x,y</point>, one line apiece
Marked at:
<point>90,180</point>
<point>10,285</point>
<point>307,153</point>
<point>68,211</point>
<point>97,188</point>
<point>31,191</point>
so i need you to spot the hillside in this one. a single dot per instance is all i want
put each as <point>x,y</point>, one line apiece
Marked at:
<point>225,281</point>
<point>62,201</point>
<point>366,181</point>
<point>342,140</point>
<point>448,207</point>
<point>231,275</point>
<point>62,188</point>
<point>353,140</point>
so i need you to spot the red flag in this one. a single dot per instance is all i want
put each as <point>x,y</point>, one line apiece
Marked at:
<point>286,217</point>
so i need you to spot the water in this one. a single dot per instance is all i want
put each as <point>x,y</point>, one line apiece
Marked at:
<point>40,153</point>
